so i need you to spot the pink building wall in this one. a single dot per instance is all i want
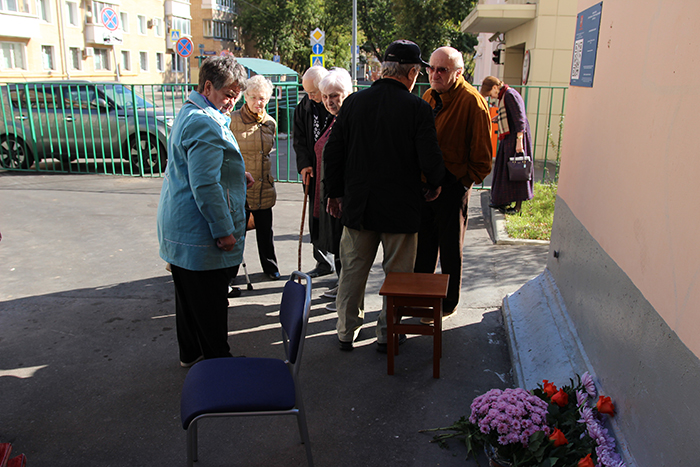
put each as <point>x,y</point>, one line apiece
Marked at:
<point>631,161</point>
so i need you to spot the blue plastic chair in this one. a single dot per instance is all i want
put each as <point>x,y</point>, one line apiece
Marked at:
<point>233,387</point>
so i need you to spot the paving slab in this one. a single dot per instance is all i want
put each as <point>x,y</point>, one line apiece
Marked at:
<point>89,373</point>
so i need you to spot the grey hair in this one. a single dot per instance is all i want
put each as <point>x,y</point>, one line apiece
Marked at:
<point>336,79</point>
<point>222,71</point>
<point>398,70</point>
<point>315,74</point>
<point>259,83</point>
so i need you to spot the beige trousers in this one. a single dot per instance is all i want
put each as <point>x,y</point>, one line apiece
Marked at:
<point>358,248</point>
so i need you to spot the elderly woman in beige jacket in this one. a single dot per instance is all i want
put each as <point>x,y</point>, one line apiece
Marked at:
<point>254,130</point>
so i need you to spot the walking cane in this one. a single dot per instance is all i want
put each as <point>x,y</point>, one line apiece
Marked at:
<point>301,229</point>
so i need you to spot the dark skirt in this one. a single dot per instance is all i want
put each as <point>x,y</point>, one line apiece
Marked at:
<point>503,191</point>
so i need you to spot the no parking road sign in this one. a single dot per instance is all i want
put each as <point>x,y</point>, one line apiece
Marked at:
<point>184,47</point>
<point>109,17</point>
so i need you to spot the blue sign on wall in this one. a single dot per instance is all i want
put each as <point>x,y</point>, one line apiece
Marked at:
<point>586,46</point>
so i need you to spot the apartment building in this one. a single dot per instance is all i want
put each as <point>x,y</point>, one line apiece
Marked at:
<point>66,39</point>
<point>213,31</point>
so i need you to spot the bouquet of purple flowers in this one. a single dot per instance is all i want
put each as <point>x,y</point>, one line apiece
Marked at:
<point>544,427</point>
<point>510,415</point>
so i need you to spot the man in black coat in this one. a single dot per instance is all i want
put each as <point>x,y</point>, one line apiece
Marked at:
<point>383,139</point>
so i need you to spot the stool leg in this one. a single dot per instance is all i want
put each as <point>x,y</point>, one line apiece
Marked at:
<point>390,316</point>
<point>437,339</point>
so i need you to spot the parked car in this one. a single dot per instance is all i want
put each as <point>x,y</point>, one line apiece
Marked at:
<point>77,120</point>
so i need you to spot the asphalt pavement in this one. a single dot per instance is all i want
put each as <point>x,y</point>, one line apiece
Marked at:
<point>89,371</point>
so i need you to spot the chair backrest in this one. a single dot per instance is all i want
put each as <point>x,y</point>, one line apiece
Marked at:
<point>294,316</point>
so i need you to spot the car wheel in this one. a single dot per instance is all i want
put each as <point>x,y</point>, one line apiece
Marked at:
<point>153,154</point>
<point>15,153</point>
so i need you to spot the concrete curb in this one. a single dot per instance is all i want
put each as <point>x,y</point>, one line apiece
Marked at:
<point>542,337</point>
<point>500,236</point>
<point>544,344</point>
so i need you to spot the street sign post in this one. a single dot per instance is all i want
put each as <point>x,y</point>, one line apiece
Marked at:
<point>317,60</point>
<point>318,37</point>
<point>109,17</point>
<point>110,21</point>
<point>318,41</point>
<point>184,48</point>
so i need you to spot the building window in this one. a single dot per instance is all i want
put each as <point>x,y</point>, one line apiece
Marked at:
<point>8,5</point>
<point>72,10</point>
<point>15,5</point>
<point>158,25</point>
<point>141,20</point>
<point>124,21</point>
<point>47,57</point>
<point>75,59</point>
<point>181,24</point>
<point>12,56</point>
<point>97,8</point>
<point>143,61</point>
<point>43,9</point>
<point>228,5</point>
<point>101,59</point>
<point>223,30</point>
<point>178,64</point>
<point>126,60</point>
<point>160,65</point>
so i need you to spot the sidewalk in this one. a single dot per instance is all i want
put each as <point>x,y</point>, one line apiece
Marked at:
<point>89,373</point>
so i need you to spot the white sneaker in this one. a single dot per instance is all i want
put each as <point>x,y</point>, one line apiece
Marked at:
<point>331,293</point>
<point>331,307</point>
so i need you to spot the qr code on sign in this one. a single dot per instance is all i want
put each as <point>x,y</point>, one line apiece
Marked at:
<point>576,65</point>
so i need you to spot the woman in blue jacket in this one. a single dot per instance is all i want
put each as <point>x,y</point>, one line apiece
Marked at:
<point>201,214</point>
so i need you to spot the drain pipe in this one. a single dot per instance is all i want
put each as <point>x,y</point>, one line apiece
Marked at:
<point>62,32</point>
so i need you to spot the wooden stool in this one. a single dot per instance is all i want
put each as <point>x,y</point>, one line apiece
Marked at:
<point>416,295</point>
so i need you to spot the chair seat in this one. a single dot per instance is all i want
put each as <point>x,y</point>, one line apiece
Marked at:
<point>232,385</point>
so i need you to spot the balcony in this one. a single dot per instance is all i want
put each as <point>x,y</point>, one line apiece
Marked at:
<point>18,24</point>
<point>495,18</point>
<point>98,34</point>
<point>177,8</point>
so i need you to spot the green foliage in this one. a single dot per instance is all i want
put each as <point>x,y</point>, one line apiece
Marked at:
<point>434,23</point>
<point>283,26</point>
<point>536,216</point>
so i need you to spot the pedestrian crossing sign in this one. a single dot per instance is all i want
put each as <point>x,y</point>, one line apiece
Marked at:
<point>317,60</point>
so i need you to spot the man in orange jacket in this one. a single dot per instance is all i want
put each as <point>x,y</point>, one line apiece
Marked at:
<point>463,128</point>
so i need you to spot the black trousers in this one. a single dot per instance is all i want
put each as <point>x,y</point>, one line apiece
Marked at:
<point>201,312</point>
<point>265,238</point>
<point>441,236</point>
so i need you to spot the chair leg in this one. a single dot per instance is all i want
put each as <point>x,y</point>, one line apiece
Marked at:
<point>304,432</point>
<point>192,444</point>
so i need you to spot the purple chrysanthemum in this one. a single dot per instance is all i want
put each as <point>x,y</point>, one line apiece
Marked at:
<point>581,398</point>
<point>512,414</point>
<point>588,384</point>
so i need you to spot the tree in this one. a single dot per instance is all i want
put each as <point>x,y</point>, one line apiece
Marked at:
<point>281,26</point>
<point>435,23</point>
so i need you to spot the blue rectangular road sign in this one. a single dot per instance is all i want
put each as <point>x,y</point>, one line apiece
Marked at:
<point>317,60</point>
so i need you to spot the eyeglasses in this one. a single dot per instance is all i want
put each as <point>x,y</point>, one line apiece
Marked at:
<point>437,69</point>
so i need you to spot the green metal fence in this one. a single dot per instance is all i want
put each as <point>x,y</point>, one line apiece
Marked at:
<point>110,128</point>
<point>114,128</point>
